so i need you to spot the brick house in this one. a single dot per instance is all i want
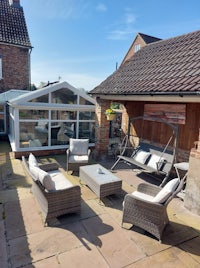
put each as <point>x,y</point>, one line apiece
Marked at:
<point>160,77</point>
<point>15,47</point>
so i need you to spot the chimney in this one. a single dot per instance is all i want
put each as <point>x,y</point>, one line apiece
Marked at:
<point>14,3</point>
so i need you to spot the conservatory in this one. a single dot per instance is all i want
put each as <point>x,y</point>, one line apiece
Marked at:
<point>45,119</point>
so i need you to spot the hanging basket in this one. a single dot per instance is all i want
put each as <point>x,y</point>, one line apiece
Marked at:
<point>110,117</point>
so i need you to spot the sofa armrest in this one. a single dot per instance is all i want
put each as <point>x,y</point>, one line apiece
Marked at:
<point>49,166</point>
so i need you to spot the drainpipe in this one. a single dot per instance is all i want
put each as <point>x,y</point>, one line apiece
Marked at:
<point>29,67</point>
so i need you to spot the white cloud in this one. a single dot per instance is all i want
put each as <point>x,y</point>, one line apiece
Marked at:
<point>101,7</point>
<point>123,28</point>
<point>61,9</point>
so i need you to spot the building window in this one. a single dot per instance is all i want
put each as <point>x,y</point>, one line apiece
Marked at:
<point>0,67</point>
<point>137,47</point>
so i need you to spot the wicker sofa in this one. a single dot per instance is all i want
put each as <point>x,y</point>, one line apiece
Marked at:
<point>55,195</point>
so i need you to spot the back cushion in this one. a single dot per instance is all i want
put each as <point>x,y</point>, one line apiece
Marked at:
<point>156,160</point>
<point>141,156</point>
<point>79,146</point>
<point>32,161</point>
<point>43,177</point>
<point>166,191</point>
<point>46,180</point>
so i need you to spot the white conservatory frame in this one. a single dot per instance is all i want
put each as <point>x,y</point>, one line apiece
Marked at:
<point>82,110</point>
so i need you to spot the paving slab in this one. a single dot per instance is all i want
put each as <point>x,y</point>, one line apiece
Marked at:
<point>173,235</point>
<point>112,241</point>
<point>22,217</point>
<point>169,258</point>
<point>3,246</point>
<point>82,258</point>
<point>47,243</point>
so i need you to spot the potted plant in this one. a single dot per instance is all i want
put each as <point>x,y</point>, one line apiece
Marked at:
<point>110,114</point>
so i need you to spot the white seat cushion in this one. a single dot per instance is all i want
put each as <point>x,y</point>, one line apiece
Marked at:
<point>143,196</point>
<point>78,159</point>
<point>166,191</point>
<point>141,156</point>
<point>59,180</point>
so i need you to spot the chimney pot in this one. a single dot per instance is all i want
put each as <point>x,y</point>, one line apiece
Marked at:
<point>15,3</point>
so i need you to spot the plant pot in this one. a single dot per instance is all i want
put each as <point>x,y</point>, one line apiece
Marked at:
<point>110,117</point>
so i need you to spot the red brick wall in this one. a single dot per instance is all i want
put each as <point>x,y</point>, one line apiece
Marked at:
<point>15,68</point>
<point>102,129</point>
<point>131,52</point>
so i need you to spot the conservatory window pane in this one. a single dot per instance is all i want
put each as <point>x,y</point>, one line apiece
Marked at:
<point>33,134</point>
<point>63,96</point>
<point>33,114</point>
<point>62,132</point>
<point>87,131</point>
<point>86,115</point>
<point>63,115</point>
<point>42,99</point>
<point>83,101</point>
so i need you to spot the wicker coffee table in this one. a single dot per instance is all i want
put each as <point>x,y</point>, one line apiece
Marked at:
<point>101,181</point>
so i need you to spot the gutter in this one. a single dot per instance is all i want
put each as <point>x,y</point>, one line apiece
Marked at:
<point>181,94</point>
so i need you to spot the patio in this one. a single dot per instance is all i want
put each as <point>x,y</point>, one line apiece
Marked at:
<point>93,238</point>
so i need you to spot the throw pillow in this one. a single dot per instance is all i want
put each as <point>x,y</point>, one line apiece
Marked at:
<point>166,191</point>
<point>32,161</point>
<point>141,156</point>
<point>46,180</point>
<point>156,162</point>
<point>79,146</point>
<point>34,172</point>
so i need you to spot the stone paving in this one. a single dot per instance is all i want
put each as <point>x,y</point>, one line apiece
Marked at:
<point>93,238</point>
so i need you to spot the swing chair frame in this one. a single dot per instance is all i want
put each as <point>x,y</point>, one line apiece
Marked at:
<point>159,160</point>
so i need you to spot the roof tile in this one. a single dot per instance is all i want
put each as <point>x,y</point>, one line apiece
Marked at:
<point>171,65</point>
<point>13,29</point>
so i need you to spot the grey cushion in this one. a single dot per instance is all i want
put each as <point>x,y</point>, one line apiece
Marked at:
<point>79,146</point>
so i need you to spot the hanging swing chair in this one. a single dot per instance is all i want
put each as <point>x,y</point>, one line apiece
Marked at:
<point>146,156</point>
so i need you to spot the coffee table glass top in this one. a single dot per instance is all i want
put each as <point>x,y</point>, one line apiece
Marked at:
<point>101,174</point>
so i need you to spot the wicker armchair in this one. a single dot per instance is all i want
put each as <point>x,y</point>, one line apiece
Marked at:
<point>146,214</point>
<point>77,154</point>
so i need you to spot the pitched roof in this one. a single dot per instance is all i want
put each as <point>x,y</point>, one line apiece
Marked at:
<point>149,39</point>
<point>13,28</point>
<point>11,94</point>
<point>167,66</point>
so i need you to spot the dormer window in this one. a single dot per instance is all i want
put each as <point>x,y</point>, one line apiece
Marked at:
<point>136,47</point>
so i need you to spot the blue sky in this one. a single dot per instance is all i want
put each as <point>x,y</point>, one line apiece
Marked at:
<point>81,41</point>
